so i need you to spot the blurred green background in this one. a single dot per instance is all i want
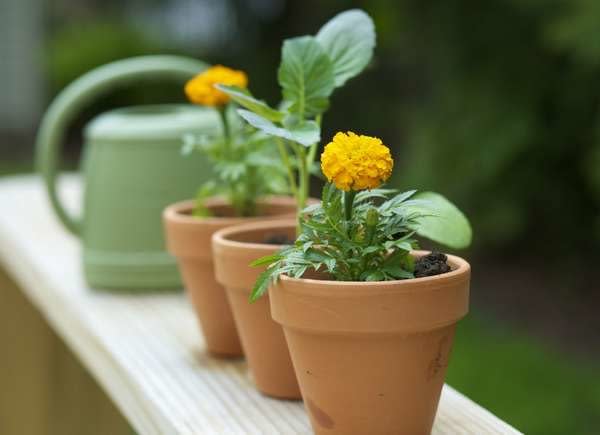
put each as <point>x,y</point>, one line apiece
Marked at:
<point>494,103</point>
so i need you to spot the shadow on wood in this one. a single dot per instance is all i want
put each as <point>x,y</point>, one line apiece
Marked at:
<point>44,389</point>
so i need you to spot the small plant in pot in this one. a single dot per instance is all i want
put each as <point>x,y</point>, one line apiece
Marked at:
<point>368,319</point>
<point>247,186</point>
<point>311,68</point>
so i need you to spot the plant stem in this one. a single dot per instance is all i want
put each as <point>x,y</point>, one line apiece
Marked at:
<point>303,178</point>
<point>348,202</point>
<point>226,131</point>
<point>312,151</point>
<point>303,182</point>
<point>236,202</point>
<point>286,161</point>
<point>310,158</point>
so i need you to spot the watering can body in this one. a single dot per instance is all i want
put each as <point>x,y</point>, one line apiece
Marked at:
<point>132,169</point>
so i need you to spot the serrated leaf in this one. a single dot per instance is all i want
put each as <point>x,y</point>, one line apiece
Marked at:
<point>397,272</point>
<point>440,220</point>
<point>306,246</point>
<point>374,276</point>
<point>348,39</point>
<point>310,209</point>
<point>365,195</point>
<point>306,133</point>
<point>371,249</point>
<point>262,283</point>
<point>299,272</point>
<point>267,259</point>
<point>403,245</point>
<point>399,200</point>
<point>245,99</point>
<point>306,76</point>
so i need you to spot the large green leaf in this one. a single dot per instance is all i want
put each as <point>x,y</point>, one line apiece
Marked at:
<point>348,39</point>
<point>442,222</point>
<point>305,133</point>
<point>306,76</point>
<point>245,99</point>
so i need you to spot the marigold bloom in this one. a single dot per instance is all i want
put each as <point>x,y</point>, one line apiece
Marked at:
<point>201,89</point>
<point>356,162</point>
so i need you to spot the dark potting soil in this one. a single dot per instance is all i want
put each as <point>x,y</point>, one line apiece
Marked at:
<point>278,239</point>
<point>431,264</point>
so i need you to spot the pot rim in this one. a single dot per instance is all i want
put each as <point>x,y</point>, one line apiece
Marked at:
<point>460,267</point>
<point>375,307</point>
<point>460,270</point>
<point>176,212</point>
<point>221,237</point>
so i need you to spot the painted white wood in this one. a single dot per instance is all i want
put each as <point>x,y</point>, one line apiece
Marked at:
<point>146,350</point>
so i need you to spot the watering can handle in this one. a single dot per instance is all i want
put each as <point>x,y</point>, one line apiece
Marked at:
<point>80,93</point>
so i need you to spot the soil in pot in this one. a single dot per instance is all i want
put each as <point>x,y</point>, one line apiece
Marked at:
<point>189,239</point>
<point>371,357</point>
<point>262,339</point>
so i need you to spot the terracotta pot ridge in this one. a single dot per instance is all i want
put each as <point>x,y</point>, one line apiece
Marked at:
<point>401,306</point>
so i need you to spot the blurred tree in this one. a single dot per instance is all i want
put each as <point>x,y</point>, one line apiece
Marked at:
<point>69,54</point>
<point>504,115</point>
<point>493,103</point>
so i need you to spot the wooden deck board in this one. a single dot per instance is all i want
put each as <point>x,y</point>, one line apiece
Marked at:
<point>146,350</point>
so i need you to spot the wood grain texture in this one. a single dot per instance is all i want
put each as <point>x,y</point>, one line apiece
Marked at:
<point>145,350</point>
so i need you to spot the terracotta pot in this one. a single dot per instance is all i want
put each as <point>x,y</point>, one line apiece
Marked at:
<point>262,339</point>
<point>189,239</point>
<point>371,357</point>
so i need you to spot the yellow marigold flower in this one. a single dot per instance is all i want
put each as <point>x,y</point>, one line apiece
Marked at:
<point>201,89</point>
<point>356,162</point>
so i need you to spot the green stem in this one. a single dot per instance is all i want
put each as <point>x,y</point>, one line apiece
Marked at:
<point>348,202</point>
<point>303,178</point>
<point>236,202</point>
<point>286,161</point>
<point>312,151</point>
<point>226,131</point>
<point>310,158</point>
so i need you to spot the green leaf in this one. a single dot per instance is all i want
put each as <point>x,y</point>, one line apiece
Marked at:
<point>306,133</point>
<point>230,171</point>
<point>366,195</point>
<point>348,39</point>
<point>207,189</point>
<point>440,220</point>
<point>403,245</point>
<point>310,209</point>
<point>372,248</point>
<point>245,99</point>
<point>374,276</point>
<point>262,283</point>
<point>306,76</point>
<point>268,259</point>
<point>397,272</point>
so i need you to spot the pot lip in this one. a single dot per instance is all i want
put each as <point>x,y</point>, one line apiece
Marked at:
<point>176,212</point>
<point>460,272</point>
<point>221,237</point>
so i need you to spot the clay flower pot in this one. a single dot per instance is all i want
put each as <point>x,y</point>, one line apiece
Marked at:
<point>263,342</point>
<point>189,239</point>
<point>371,357</point>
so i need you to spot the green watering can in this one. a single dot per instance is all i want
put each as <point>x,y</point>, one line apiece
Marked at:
<point>133,168</point>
